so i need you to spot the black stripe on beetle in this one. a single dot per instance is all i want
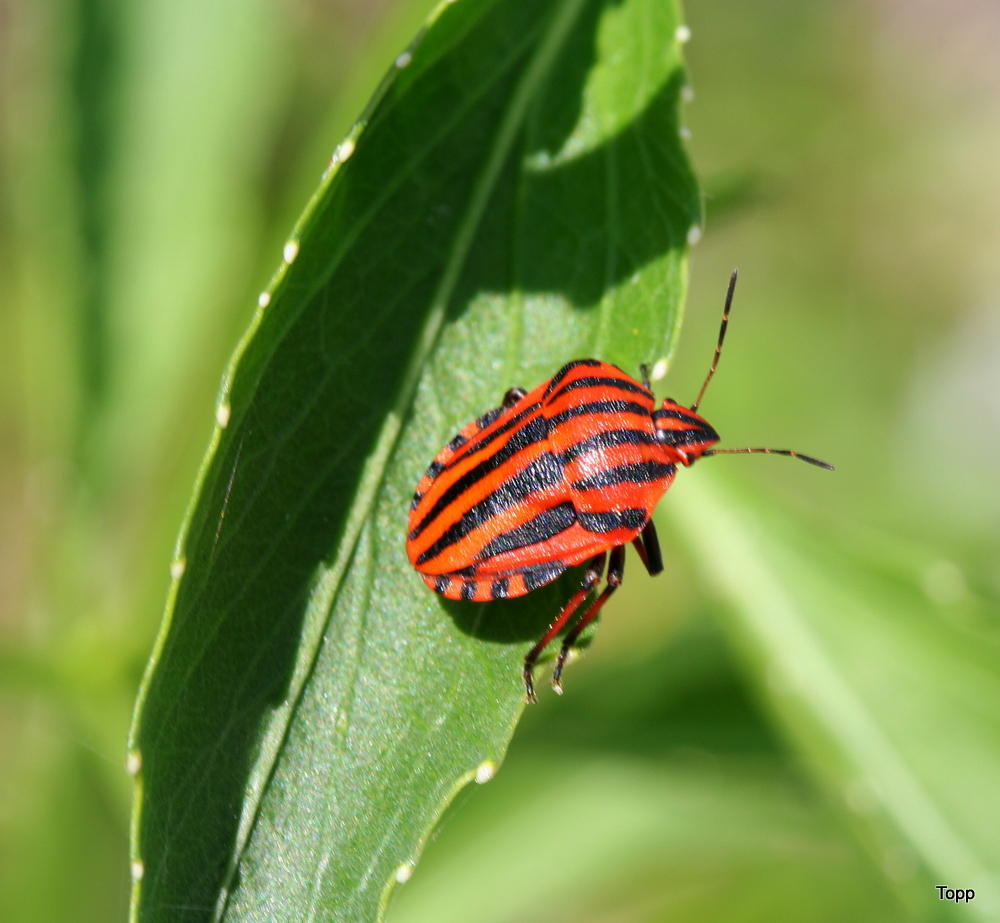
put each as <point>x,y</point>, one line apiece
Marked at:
<point>513,422</point>
<point>595,407</point>
<point>534,577</point>
<point>433,470</point>
<point>618,384</point>
<point>670,414</point>
<point>607,440</point>
<point>534,431</point>
<point>636,473</point>
<point>544,526</point>
<point>489,418</point>
<point>690,436</point>
<point>565,370</point>
<point>613,519</point>
<point>544,472</point>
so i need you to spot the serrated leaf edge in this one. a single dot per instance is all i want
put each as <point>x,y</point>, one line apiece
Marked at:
<point>329,580</point>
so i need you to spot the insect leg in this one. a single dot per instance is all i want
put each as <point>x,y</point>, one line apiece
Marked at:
<point>648,546</point>
<point>591,577</point>
<point>616,571</point>
<point>512,397</point>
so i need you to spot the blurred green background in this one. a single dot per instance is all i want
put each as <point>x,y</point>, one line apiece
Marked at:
<point>154,155</point>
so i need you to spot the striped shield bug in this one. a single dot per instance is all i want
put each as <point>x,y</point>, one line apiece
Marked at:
<point>566,474</point>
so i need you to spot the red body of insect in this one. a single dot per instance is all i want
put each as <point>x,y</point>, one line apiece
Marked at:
<point>552,478</point>
<point>548,480</point>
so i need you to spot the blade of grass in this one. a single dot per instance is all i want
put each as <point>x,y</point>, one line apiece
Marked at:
<point>886,740</point>
<point>645,840</point>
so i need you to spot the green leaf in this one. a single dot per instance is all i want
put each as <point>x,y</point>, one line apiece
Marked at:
<point>895,706</point>
<point>665,795</point>
<point>201,91</point>
<point>721,840</point>
<point>515,196</point>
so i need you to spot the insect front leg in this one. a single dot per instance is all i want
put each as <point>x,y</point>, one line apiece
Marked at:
<point>616,573</point>
<point>512,397</point>
<point>648,546</point>
<point>590,578</point>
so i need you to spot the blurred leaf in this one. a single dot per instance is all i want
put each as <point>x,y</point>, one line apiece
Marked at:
<point>732,193</point>
<point>515,196</point>
<point>62,839</point>
<point>95,73</point>
<point>608,838</point>
<point>682,691</point>
<point>201,84</point>
<point>897,708</point>
<point>656,789</point>
<point>327,118</point>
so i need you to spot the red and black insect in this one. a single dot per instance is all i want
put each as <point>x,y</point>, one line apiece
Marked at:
<point>558,476</point>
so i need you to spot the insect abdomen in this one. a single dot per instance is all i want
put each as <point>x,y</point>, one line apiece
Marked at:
<point>491,479</point>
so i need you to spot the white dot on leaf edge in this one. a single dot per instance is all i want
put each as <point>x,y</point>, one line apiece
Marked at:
<point>487,769</point>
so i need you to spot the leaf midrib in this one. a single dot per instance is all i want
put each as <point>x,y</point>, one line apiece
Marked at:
<point>262,478</point>
<point>376,465</point>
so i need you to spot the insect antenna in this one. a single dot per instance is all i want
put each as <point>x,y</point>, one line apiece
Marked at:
<point>722,336</point>
<point>806,458</point>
